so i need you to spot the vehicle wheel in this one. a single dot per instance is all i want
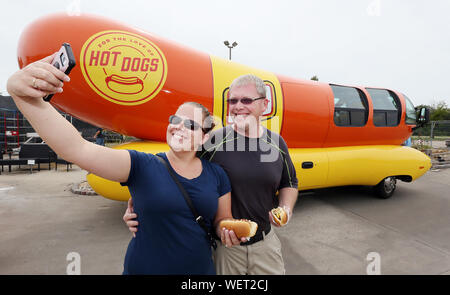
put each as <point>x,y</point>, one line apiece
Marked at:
<point>385,189</point>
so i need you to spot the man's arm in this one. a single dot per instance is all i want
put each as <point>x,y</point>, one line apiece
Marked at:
<point>288,191</point>
<point>130,218</point>
<point>287,198</point>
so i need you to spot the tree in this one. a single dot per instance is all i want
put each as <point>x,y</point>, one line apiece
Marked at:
<point>439,111</point>
<point>315,78</point>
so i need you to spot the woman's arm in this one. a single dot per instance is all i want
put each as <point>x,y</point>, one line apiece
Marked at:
<point>223,211</point>
<point>227,237</point>
<point>27,87</point>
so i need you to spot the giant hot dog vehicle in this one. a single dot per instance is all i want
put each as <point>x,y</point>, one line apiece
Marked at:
<point>131,81</point>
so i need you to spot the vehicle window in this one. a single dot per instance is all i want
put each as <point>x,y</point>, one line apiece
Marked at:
<point>410,112</point>
<point>386,107</point>
<point>350,106</point>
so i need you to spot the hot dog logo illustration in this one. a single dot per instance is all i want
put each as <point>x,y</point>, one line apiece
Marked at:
<point>123,67</point>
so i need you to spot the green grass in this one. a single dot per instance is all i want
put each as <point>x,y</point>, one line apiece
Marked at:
<point>438,138</point>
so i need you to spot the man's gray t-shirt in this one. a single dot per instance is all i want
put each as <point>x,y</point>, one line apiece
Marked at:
<point>257,169</point>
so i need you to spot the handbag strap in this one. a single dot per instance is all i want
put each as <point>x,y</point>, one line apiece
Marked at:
<point>198,218</point>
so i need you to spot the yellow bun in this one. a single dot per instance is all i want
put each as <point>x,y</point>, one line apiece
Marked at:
<point>279,216</point>
<point>243,228</point>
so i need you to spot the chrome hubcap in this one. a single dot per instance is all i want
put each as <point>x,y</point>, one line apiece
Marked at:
<point>389,184</point>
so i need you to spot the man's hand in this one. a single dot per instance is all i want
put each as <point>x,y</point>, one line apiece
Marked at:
<point>129,218</point>
<point>288,213</point>
<point>287,198</point>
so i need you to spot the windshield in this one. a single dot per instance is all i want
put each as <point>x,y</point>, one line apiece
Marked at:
<point>410,111</point>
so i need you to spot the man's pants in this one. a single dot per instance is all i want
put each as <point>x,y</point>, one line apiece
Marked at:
<point>261,258</point>
<point>100,141</point>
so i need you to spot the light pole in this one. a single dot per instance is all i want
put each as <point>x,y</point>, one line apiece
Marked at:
<point>227,44</point>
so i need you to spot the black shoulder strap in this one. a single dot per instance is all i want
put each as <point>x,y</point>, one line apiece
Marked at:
<point>198,218</point>
<point>180,186</point>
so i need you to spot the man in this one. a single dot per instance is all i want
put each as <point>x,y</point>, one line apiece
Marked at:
<point>99,137</point>
<point>258,164</point>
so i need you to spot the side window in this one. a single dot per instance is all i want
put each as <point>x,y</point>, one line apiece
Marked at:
<point>350,106</point>
<point>387,110</point>
<point>410,112</point>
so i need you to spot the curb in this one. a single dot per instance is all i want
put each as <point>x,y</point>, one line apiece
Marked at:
<point>82,188</point>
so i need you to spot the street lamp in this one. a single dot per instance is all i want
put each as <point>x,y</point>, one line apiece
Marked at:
<point>227,44</point>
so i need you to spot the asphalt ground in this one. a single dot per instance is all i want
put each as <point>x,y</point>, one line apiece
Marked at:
<point>42,223</point>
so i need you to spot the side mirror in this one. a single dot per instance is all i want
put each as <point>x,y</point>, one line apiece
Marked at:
<point>423,116</point>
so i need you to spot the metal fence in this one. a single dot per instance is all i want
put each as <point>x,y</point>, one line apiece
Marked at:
<point>434,140</point>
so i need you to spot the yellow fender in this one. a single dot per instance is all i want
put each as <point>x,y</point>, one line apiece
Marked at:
<point>315,167</point>
<point>112,189</point>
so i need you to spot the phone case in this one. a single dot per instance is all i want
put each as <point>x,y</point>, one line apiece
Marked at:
<point>64,61</point>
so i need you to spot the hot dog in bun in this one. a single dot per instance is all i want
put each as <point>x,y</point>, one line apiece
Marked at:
<point>243,228</point>
<point>279,216</point>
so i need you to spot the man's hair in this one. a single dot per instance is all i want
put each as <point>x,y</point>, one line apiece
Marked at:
<point>208,120</point>
<point>250,79</point>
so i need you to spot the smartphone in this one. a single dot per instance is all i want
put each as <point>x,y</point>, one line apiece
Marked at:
<point>64,61</point>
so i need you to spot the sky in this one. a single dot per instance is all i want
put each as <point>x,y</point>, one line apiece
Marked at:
<point>402,45</point>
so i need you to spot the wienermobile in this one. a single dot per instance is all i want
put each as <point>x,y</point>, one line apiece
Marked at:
<point>131,81</point>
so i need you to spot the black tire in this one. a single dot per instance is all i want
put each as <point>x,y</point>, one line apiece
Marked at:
<point>386,188</point>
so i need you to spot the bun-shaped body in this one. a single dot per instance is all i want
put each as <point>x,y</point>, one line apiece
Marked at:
<point>279,216</point>
<point>243,228</point>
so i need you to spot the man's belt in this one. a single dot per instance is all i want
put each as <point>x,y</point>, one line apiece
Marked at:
<point>258,237</point>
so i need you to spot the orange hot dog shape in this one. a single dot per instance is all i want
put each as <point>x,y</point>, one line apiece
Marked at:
<point>131,81</point>
<point>138,80</point>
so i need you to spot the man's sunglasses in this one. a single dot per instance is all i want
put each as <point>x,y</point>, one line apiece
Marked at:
<point>244,100</point>
<point>189,124</point>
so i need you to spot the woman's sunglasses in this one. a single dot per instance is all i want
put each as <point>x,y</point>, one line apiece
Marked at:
<point>189,124</point>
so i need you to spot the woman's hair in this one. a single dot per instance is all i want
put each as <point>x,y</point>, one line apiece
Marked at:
<point>208,119</point>
<point>250,79</point>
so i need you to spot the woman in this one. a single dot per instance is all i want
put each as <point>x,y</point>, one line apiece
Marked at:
<point>169,240</point>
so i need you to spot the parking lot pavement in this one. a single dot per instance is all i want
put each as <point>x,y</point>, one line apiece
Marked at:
<point>332,231</point>
<point>42,222</point>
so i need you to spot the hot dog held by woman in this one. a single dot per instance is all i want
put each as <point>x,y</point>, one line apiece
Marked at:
<point>243,228</point>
